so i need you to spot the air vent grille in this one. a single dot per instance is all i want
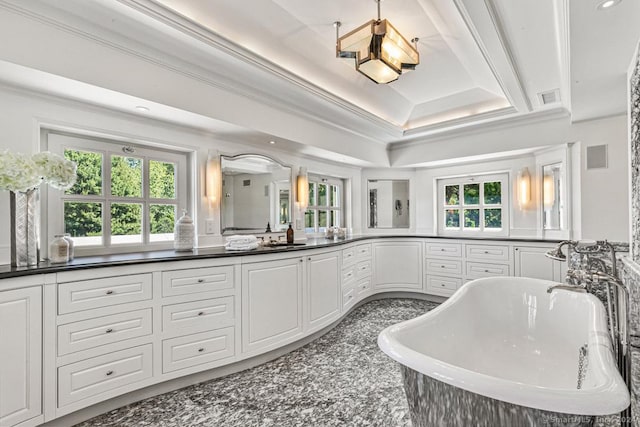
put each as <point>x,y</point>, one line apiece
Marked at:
<point>549,97</point>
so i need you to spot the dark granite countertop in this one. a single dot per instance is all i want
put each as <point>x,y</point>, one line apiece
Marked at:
<point>80,263</point>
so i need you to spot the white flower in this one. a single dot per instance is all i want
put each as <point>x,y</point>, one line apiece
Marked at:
<point>18,172</point>
<point>57,171</point>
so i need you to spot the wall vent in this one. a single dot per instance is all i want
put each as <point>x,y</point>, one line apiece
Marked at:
<point>597,157</point>
<point>246,182</point>
<point>549,97</point>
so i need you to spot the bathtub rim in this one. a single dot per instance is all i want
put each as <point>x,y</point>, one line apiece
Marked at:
<point>611,396</point>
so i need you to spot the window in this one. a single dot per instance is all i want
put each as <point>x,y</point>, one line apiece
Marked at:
<point>126,196</point>
<point>325,204</point>
<point>474,204</point>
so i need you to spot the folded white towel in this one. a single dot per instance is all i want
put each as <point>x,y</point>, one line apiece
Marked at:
<point>235,239</point>
<point>241,247</point>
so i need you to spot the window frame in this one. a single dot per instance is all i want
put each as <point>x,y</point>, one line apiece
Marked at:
<point>314,179</point>
<point>55,199</point>
<point>460,181</point>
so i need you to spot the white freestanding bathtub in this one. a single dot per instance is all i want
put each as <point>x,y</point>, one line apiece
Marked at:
<point>504,347</point>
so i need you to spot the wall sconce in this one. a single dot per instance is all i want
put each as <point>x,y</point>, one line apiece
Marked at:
<point>548,191</point>
<point>212,177</point>
<point>524,187</point>
<point>302,195</point>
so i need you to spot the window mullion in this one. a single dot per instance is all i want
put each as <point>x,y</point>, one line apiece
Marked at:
<point>146,206</point>
<point>106,191</point>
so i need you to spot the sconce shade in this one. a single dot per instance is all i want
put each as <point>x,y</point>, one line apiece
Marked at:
<point>302,193</point>
<point>548,191</point>
<point>524,187</point>
<point>212,178</point>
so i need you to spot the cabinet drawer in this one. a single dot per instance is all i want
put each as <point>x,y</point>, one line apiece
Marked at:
<point>97,293</point>
<point>348,298</point>
<point>444,266</point>
<point>488,252</point>
<point>91,333</point>
<point>98,375</point>
<point>197,280</point>
<point>363,287</point>
<point>443,249</point>
<point>363,251</point>
<point>442,285</point>
<point>198,316</point>
<point>348,256</point>
<point>348,275</point>
<point>477,270</point>
<point>363,269</point>
<point>192,350</point>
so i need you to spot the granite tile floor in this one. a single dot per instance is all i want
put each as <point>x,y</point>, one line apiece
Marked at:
<point>342,378</point>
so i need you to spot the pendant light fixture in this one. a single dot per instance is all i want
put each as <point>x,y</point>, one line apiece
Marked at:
<point>380,51</point>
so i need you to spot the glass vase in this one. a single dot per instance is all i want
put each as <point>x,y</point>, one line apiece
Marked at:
<point>25,227</point>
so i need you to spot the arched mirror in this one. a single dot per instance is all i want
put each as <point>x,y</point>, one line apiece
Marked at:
<point>256,193</point>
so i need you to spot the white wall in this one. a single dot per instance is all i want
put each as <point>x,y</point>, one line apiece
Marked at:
<point>24,113</point>
<point>604,193</point>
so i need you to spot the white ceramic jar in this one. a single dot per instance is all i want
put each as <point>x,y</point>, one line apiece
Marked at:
<point>59,250</point>
<point>184,234</point>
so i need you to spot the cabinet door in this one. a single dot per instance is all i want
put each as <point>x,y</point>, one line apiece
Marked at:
<point>322,291</point>
<point>397,265</point>
<point>531,262</point>
<point>271,304</point>
<point>20,355</point>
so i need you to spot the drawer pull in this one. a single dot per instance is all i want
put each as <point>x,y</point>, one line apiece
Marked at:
<point>350,296</point>
<point>201,349</point>
<point>108,331</point>
<point>201,313</point>
<point>200,280</point>
<point>486,252</point>
<point>109,292</point>
<point>442,266</point>
<point>443,285</point>
<point>109,373</point>
<point>486,271</point>
<point>441,249</point>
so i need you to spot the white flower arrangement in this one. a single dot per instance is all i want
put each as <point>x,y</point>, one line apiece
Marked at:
<point>20,172</point>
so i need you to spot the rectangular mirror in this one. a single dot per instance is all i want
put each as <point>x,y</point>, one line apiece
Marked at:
<point>388,203</point>
<point>552,197</point>
<point>256,191</point>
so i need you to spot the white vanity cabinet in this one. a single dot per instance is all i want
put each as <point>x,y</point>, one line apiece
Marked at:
<point>271,304</point>
<point>397,265</point>
<point>322,291</point>
<point>530,261</point>
<point>20,354</point>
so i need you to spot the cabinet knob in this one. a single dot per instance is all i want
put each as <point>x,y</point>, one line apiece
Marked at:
<point>201,313</point>
<point>301,260</point>
<point>442,266</point>
<point>108,331</point>
<point>309,259</point>
<point>201,349</point>
<point>486,252</point>
<point>200,280</point>
<point>441,249</point>
<point>109,373</point>
<point>109,292</point>
<point>486,271</point>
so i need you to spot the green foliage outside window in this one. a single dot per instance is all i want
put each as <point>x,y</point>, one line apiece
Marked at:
<point>83,219</point>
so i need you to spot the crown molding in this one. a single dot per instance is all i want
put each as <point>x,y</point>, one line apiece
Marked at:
<point>488,125</point>
<point>178,22</point>
<point>454,124</point>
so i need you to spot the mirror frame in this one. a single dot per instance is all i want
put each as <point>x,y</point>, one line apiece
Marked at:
<point>222,195</point>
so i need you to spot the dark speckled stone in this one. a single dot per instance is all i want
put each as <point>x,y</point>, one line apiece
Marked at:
<point>342,378</point>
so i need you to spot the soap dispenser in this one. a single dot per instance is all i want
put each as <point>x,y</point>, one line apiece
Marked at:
<point>289,235</point>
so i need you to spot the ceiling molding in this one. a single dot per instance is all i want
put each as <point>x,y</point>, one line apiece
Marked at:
<point>506,47</point>
<point>514,90</point>
<point>187,26</point>
<point>457,123</point>
<point>214,79</point>
<point>488,125</point>
<point>563,41</point>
